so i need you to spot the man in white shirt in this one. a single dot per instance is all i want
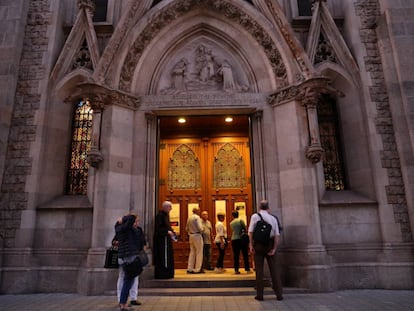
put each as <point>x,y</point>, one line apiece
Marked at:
<point>267,249</point>
<point>195,230</point>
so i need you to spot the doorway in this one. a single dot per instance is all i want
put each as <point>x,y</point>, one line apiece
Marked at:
<point>204,161</point>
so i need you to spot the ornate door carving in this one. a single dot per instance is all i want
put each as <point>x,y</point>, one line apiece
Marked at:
<point>213,174</point>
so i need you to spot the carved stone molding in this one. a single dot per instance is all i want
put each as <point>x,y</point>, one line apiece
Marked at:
<point>94,157</point>
<point>308,94</point>
<point>180,8</point>
<point>314,153</point>
<point>299,91</point>
<point>87,5</point>
<point>101,96</point>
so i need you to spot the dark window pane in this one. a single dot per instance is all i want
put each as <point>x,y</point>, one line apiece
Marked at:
<point>333,164</point>
<point>305,7</point>
<point>77,176</point>
<point>101,9</point>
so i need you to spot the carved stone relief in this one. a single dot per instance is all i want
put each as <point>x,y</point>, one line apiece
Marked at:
<point>180,8</point>
<point>202,66</point>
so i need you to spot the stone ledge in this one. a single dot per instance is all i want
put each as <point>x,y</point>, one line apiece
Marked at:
<point>68,201</point>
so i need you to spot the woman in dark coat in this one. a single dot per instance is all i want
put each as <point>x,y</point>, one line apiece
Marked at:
<point>163,248</point>
<point>131,241</point>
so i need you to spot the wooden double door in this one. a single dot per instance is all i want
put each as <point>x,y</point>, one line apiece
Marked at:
<point>210,173</point>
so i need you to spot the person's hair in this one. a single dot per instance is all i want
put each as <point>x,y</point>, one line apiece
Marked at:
<point>220,216</point>
<point>264,205</point>
<point>166,204</point>
<point>235,214</point>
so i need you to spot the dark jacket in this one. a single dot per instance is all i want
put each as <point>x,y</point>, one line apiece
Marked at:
<point>131,240</point>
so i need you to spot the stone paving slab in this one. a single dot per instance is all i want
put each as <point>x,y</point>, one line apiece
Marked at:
<point>352,300</point>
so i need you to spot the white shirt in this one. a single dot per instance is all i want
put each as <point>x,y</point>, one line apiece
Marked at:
<point>220,231</point>
<point>266,217</point>
<point>194,224</point>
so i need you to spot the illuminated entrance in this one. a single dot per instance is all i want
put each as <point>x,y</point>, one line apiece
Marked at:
<point>204,162</point>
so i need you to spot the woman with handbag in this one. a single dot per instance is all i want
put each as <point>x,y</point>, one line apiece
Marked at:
<point>131,242</point>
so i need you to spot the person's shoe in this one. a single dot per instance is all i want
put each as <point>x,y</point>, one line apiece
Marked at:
<point>135,303</point>
<point>190,272</point>
<point>249,271</point>
<point>279,297</point>
<point>210,269</point>
<point>236,272</point>
<point>258,298</point>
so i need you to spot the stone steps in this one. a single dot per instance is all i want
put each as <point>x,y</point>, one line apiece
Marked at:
<point>207,284</point>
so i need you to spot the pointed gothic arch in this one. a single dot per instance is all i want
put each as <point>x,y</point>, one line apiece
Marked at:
<point>271,38</point>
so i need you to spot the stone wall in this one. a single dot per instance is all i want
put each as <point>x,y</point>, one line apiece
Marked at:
<point>369,13</point>
<point>12,21</point>
<point>31,72</point>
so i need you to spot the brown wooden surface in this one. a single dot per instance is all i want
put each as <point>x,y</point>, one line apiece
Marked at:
<point>206,195</point>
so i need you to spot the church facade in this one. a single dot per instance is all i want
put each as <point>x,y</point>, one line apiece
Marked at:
<point>317,96</point>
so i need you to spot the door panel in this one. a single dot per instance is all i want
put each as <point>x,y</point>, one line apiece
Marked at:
<point>213,174</point>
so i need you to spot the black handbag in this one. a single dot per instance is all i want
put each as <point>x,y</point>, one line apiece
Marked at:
<point>133,269</point>
<point>143,258</point>
<point>111,258</point>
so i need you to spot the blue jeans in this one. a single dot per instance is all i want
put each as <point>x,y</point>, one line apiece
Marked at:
<point>220,259</point>
<point>126,286</point>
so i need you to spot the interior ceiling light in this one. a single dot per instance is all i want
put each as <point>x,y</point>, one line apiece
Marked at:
<point>229,119</point>
<point>181,120</point>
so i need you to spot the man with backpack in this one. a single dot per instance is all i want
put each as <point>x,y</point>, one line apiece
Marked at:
<point>264,238</point>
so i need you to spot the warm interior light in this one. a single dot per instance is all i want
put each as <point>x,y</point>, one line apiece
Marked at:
<point>229,119</point>
<point>181,120</point>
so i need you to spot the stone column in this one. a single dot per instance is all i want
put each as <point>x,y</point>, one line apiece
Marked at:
<point>111,195</point>
<point>258,155</point>
<point>314,151</point>
<point>303,250</point>
<point>94,154</point>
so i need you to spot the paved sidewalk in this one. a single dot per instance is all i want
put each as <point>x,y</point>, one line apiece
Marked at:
<point>352,300</point>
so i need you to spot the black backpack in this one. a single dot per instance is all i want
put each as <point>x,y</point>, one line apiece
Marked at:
<point>261,232</point>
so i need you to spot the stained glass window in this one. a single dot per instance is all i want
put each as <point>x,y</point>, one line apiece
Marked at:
<point>333,164</point>
<point>77,176</point>
<point>229,168</point>
<point>184,169</point>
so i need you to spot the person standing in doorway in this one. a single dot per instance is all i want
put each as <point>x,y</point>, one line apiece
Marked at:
<point>163,248</point>
<point>267,249</point>
<point>221,242</point>
<point>195,231</point>
<point>207,237</point>
<point>238,245</point>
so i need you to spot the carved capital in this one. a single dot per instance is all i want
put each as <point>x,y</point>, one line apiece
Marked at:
<point>258,114</point>
<point>87,5</point>
<point>94,157</point>
<point>310,98</point>
<point>314,153</point>
<point>97,102</point>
